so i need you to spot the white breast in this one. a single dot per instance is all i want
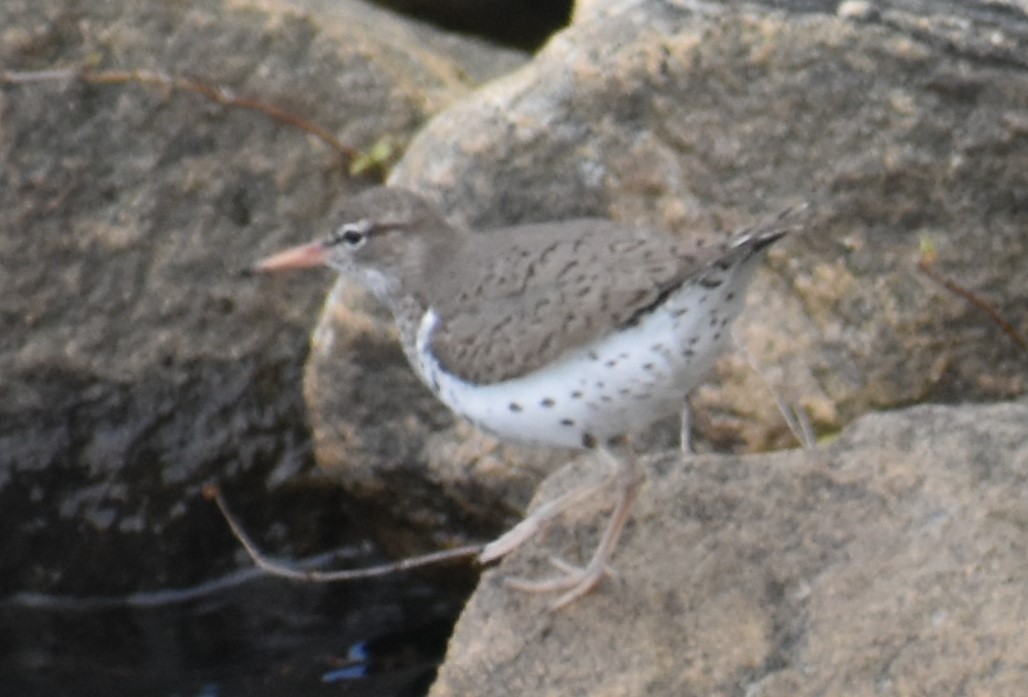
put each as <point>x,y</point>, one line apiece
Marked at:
<point>616,385</point>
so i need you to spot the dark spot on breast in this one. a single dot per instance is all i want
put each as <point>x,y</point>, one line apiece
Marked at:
<point>611,364</point>
<point>679,312</point>
<point>647,367</point>
<point>547,403</point>
<point>593,356</point>
<point>514,407</point>
<point>567,422</point>
<point>730,296</point>
<point>576,395</point>
<point>588,440</point>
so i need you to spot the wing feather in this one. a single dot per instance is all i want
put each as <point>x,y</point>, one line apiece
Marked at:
<point>524,309</point>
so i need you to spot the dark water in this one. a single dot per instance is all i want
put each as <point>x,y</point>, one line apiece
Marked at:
<point>248,635</point>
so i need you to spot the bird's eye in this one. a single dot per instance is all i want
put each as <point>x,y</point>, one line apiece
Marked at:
<point>352,235</point>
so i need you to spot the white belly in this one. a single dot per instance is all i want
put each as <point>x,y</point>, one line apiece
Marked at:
<point>616,385</point>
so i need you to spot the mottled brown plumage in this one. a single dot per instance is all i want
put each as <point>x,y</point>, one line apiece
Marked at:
<point>516,299</point>
<point>511,300</point>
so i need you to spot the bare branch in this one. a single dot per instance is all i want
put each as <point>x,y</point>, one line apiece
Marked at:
<point>282,570</point>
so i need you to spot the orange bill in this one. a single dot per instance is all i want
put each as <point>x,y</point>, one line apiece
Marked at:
<point>302,257</point>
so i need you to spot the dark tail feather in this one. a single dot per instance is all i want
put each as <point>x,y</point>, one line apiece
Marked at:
<point>765,234</point>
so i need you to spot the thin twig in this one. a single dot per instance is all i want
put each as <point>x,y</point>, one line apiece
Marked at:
<point>163,597</point>
<point>219,95</point>
<point>926,265</point>
<point>275,568</point>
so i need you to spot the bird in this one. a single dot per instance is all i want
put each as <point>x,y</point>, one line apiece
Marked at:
<point>572,333</point>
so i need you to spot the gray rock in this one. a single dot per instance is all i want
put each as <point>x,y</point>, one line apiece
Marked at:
<point>135,365</point>
<point>893,560</point>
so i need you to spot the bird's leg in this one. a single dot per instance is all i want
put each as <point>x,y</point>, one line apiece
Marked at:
<point>537,519</point>
<point>577,581</point>
<point>796,418</point>
<point>685,432</point>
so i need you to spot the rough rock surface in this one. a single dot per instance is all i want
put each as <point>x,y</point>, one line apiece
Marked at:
<point>135,364</point>
<point>898,121</point>
<point>893,561</point>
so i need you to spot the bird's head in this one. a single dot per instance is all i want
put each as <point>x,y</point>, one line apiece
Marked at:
<point>379,237</point>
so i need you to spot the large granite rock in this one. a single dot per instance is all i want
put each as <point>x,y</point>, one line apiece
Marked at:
<point>893,561</point>
<point>135,364</point>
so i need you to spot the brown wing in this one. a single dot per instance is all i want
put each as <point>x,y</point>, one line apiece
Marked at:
<point>540,292</point>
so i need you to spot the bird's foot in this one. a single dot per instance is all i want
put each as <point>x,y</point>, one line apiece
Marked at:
<point>539,518</point>
<point>575,581</point>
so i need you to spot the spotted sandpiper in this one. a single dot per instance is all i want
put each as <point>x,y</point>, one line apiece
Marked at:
<point>573,333</point>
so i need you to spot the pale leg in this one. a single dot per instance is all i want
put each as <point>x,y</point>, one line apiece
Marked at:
<point>577,581</point>
<point>685,434</point>
<point>537,519</point>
